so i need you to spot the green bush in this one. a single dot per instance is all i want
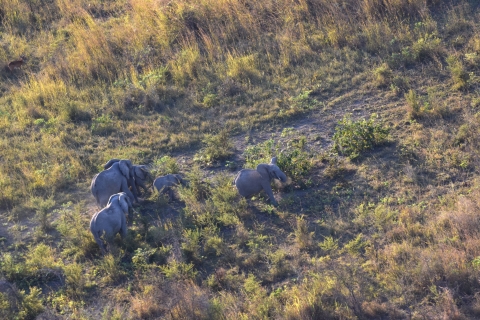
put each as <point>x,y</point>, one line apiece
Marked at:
<point>460,76</point>
<point>216,147</point>
<point>351,137</point>
<point>42,213</point>
<point>164,165</point>
<point>292,156</point>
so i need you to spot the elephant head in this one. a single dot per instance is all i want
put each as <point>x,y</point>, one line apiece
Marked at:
<point>272,171</point>
<point>142,177</point>
<point>111,220</point>
<point>250,182</point>
<point>165,183</point>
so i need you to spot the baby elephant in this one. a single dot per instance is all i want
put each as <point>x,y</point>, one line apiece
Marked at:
<point>164,184</point>
<point>111,220</point>
<point>250,182</point>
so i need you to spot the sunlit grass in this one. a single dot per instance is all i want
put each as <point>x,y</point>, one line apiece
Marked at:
<point>392,234</point>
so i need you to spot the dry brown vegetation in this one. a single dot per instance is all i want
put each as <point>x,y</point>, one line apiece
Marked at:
<point>372,108</point>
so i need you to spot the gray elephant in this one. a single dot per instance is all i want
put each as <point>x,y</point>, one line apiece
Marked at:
<point>164,184</point>
<point>111,220</point>
<point>139,176</point>
<point>115,179</point>
<point>250,182</point>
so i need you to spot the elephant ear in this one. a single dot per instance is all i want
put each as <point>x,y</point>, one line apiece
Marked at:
<point>123,202</point>
<point>264,170</point>
<point>110,163</point>
<point>125,166</point>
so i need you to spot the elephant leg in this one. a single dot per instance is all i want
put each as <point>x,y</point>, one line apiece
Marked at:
<point>169,193</point>
<point>125,189</point>
<point>269,192</point>
<point>100,243</point>
<point>135,191</point>
<point>124,231</point>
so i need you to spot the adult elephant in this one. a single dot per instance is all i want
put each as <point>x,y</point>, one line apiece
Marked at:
<point>250,182</point>
<point>139,176</point>
<point>115,179</point>
<point>164,184</point>
<point>111,220</point>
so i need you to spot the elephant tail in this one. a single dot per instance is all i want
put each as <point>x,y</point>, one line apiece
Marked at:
<point>236,177</point>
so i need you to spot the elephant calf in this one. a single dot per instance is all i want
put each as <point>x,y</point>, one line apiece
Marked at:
<point>111,220</point>
<point>164,184</point>
<point>250,182</point>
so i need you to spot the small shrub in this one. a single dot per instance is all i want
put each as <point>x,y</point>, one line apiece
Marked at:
<point>383,75</point>
<point>142,257</point>
<point>303,101</point>
<point>164,165</point>
<point>427,48</point>
<point>216,147</point>
<point>77,240</point>
<point>329,245</point>
<point>210,100</point>
<point>179,270</point>
<point>75,281</point>
<point>111,269</point>
<point>103,125</point>
<point>196,185</point>
<point>399,85</point>
<point>42,212</point>
<point>31,304</point>
<point>460,76</point>
<point>472,59</point>
<point>225,201</point>
<point>351,137</point>
<point>292,157</point>
<point>413,103</point>
<point>214,245</point>
<point>191,244</point>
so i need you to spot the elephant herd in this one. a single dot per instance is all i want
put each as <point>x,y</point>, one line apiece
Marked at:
<point>117,187</point>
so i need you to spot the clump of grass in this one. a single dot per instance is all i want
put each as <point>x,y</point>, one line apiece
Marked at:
<point>243,68</point>
<point>413,103</point>
<point>303,237</point>
<point>351,138</point>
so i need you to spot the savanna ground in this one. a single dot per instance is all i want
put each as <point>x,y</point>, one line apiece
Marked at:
<point>372,108</point>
